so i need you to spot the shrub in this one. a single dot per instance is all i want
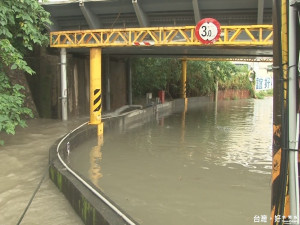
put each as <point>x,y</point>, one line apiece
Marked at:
<point>154,74</point>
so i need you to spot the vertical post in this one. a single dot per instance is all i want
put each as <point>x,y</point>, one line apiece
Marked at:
<point>64,92</point>
<point>95,89</point>
<point>216,99</point>
<point>197,14</point>
<point>292,111</point>
<point>183,79</point>
<point>129,82</point>
<point>277,114</point>
<point>216,91</point>
<point>279,204</point>
<point>107,76</point>
<point>284,63</point>
<point>260,12</point>
<point>183,120</point>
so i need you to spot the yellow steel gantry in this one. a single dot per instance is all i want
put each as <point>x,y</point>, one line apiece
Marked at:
<point>247,35</point>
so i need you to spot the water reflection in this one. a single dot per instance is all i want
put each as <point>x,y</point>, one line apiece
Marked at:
<point>198,166</point>
<point>183,119</point>
<point>249,140</point>
<point>95,160</point>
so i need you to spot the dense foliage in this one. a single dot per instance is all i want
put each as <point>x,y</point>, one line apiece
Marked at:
<point>11,106</point>
<point>154,74</point>
<point>22,26</point>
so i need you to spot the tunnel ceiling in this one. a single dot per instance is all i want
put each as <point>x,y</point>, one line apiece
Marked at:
<point>98,14</point>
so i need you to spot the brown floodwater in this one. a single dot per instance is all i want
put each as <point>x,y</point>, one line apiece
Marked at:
<point>24,159</point>
<point>203,166</point>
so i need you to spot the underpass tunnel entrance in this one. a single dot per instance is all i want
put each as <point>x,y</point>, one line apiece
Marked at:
<point>114,46</point>
<point>203,39</point>
<point>104,45</point>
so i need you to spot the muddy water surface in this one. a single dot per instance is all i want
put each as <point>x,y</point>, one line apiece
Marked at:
<point>202,166</point>
<point>24,159</point>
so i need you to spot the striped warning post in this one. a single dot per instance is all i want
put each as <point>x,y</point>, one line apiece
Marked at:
<point>97,100</point>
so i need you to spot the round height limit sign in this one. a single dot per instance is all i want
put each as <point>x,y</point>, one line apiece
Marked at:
<point>208,31</point>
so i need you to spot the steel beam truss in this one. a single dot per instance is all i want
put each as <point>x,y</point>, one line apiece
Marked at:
<point>239,36</point>
<point>231,59</point>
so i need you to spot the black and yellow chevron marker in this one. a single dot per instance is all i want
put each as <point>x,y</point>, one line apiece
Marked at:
<point>97,110</point>
<point>276,171</point>
<point>280,204</point>
<point>276,178</point>
<point>276,152</point>
<point>97,100</point>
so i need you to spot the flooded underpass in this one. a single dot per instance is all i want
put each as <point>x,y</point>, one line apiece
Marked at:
<point>199,166</point>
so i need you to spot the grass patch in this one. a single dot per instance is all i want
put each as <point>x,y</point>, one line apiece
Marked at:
<point>235,97</point>
<point>262,94</point>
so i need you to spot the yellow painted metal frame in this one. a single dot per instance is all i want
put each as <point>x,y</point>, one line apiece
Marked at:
<point>95,89</point>
<point>264,59</point>
<point>246,35</point>
<point>284,55</point>
<point>277,128</point>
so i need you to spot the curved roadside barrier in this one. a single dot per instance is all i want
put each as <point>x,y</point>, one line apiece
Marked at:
<point>89,203</point>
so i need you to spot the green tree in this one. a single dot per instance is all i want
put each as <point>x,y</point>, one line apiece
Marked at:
<point>200,78</point>
<point>238,80</point>
<point>23,25</point>
<point>153,74</point>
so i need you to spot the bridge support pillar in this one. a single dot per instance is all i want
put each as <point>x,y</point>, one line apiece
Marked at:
<point>64,90</point>
<point>95,89</point>
<point>183,79</point>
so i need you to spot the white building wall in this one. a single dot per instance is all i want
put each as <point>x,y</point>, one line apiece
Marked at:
<point>263,73</point>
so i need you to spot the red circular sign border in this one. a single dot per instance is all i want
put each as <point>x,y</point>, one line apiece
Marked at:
<point>208,20</point>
